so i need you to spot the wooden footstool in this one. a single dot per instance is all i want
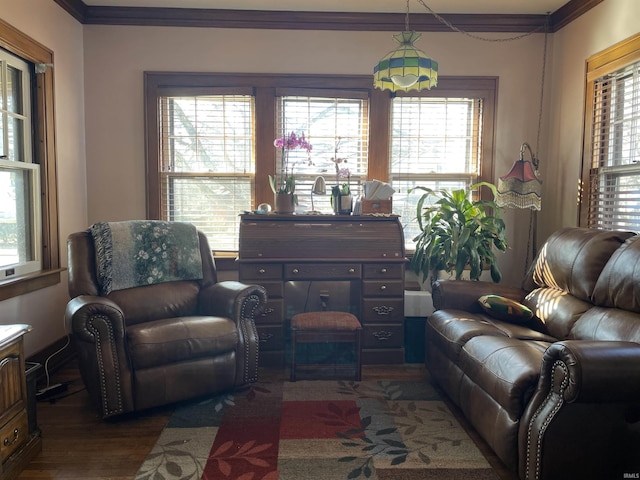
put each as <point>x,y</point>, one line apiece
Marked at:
<point>325,327</point>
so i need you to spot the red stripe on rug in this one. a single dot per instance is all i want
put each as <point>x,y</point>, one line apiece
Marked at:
<point>244,449</point>
<point>318,419</point>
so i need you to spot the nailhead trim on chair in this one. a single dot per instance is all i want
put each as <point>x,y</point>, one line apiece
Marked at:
<point>254,300</point>
<point>543,428</point>
<point>99,353</point>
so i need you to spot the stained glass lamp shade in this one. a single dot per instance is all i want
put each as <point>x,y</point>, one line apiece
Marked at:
<point>405,68</point>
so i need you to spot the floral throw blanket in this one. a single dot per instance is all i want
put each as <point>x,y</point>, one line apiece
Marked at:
<point>145,252</point>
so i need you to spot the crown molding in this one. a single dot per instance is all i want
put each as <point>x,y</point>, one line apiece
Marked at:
<point>350,21</point>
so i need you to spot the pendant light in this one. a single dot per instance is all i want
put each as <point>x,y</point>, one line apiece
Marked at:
<point>407,67</point>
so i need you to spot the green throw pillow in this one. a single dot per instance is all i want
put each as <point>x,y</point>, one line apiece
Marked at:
<point>505,309</point>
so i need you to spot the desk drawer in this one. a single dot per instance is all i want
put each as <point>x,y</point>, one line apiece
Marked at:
<point>322,271</point>
<point>382,288</point>
<point>254,272</point>
<point>273,312</point>
<point>382,336</point>
<point>392,271</point>
<point>271,337</point>
<point>13,435</point>
<point>383,310</point>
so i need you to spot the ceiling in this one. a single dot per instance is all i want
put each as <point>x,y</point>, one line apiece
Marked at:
<point>516,7</point>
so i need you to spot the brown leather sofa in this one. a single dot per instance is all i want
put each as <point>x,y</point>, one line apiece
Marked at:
<point>157,344</point>
<point>558,396</point>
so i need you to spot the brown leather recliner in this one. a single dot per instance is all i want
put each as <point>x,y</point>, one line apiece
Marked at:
<point>157,344</point>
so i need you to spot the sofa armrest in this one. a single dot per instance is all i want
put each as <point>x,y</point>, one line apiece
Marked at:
<point>464,294</point>
<point>586,407</point>
<point>241,303</point>
<point>592,371</point>
<point>98,328</point>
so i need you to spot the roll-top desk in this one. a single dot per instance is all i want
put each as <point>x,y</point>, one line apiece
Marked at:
<point>365,252</point>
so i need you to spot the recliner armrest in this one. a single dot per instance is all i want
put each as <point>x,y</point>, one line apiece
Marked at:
<point>464,294</point>
<point>98,327</point>
<point>234,300</point>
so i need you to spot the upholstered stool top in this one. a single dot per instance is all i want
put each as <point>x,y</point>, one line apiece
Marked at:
<point>326,320</point>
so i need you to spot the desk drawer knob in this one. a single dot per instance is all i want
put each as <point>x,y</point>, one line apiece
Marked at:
<point>352,270</point>
<point>383,270</point>
<point>262,271</point>
<point>383,287</point>
<point>383,310</point>
<point>295,270</point>
<point>7,442</point>
<point>383,335</point>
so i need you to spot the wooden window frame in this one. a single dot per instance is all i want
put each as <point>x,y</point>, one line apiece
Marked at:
<point>612,59</point>
<point>157,84</point>
<point>44,153</point>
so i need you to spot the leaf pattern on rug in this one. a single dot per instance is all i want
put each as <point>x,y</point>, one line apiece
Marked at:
<point>178,462</point>
<point>337,417</point>
<point>383,442</point>
<point>230,452</point>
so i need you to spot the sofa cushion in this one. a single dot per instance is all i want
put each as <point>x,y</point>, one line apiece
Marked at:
<point>619,283</point>
<point>451,329</point>
<point>179,339</point>
<point>572,259</point>
<point>507,369</point>
<point>609,324</point>
<point>505,309</point>
<point>556,309</point>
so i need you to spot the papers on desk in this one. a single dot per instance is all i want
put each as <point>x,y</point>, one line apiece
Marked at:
<point>374,192</point>
<point>377,190</point>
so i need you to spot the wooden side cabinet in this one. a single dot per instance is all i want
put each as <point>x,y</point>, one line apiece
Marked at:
<point>365,252</point>
<point>17,444</point>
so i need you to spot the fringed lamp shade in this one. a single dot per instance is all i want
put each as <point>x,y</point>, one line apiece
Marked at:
<point>405,68</point>
<point>521,187</point>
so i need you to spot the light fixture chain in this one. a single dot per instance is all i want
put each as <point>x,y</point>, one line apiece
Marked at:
<point>477,37</point>
<point>406,18</point>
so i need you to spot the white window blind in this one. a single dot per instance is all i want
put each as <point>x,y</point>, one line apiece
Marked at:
<point>20,218</point>
<point>208,163</point>
<point>614,177</point>
<point>336,124</point>
<point>435,143</point>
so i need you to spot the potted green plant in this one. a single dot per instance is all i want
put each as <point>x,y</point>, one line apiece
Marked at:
<point>457,233</point>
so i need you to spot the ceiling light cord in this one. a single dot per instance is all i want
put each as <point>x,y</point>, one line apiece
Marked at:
<point>544,69</point>
<point>446,22</point>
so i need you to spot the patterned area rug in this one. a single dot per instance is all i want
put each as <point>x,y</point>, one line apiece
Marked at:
<point>329,430</point>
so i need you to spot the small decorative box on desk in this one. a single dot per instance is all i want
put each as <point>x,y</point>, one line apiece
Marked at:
<point>364,254</point>
<point>376,206</point>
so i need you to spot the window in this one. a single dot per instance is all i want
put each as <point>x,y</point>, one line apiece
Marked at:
<point>208,163</point>
<point>210,141</point>
<point>337,127</point>
<point>436,142</point>
<point>19,176</point>
<point>28,183</point>
<point>612,151</point>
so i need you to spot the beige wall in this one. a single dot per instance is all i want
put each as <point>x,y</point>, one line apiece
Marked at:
<point>50,25</point>
<point>116,57</point>
<point>606,24</point>
<point>99,79</point>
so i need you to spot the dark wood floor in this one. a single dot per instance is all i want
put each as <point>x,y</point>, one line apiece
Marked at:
<point>78,444</point>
